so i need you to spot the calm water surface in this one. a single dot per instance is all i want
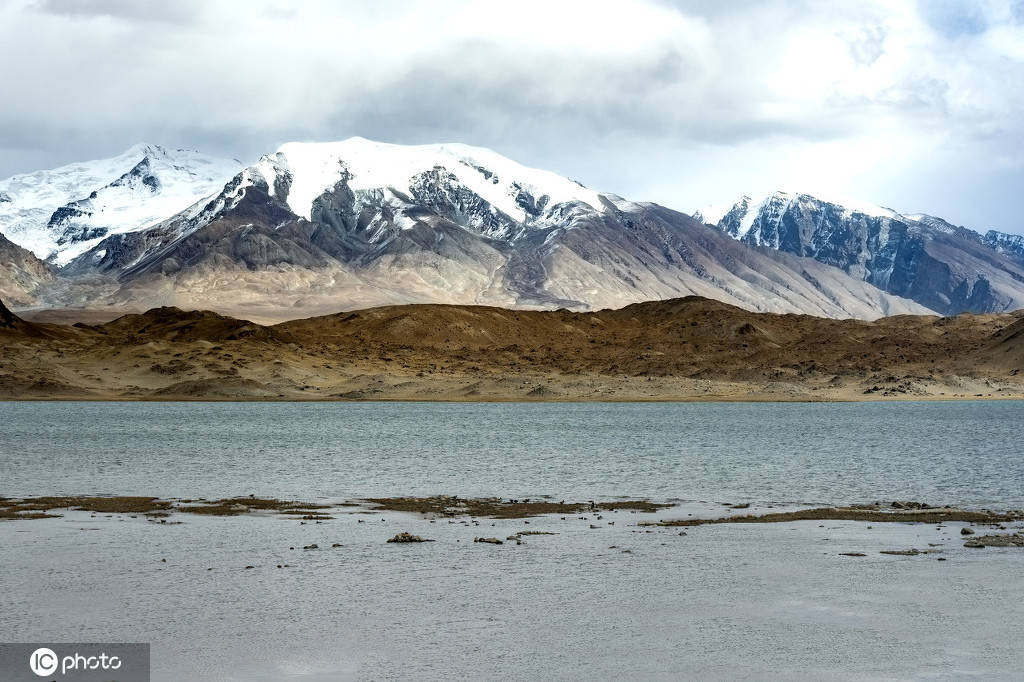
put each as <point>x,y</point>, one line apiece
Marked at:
<point>944,452</point>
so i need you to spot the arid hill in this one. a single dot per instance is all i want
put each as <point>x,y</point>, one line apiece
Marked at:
<point>689,348</point>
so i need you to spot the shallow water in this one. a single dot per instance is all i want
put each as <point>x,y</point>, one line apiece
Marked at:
<point>720,602</point>
<point>943,452</point>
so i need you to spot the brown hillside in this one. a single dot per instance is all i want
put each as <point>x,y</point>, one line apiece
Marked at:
<point>1004,351</point>
<point>678,349</point>
<point>174,324</point>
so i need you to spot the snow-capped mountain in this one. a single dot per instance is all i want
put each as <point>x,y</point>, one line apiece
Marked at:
<point>59,214</point>
<point>490,193</point>
<point>947,268</point>
<point>316,227</point>
<point>376,191</point>
<point>320,227</point>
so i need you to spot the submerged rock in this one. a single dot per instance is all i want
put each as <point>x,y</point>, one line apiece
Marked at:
<point>1001,540</point>
<point>493,541</point>
<point>910,505</point>
<point>408,537</point>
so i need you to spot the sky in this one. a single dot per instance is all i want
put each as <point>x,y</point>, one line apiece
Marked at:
<point>911,104</point>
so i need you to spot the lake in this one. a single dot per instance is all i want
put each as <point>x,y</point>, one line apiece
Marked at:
<point>600,599</point>
<point>965,453</point>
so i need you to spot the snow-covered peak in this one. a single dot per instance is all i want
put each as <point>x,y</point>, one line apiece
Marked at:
<point>750,215</point>
<point>712,215</point>
<point>60,213</point>
<point>314,167</point>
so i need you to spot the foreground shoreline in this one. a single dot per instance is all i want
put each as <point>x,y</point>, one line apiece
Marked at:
<point>580,399</point>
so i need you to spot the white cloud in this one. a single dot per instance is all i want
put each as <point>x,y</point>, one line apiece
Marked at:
<point>912,105</point>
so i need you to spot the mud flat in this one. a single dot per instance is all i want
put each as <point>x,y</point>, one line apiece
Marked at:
<point>475,511</point>
<point>33,508</point>
<point>898,512</point>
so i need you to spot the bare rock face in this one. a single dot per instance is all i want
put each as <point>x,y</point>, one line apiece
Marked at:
<point>21,274</point>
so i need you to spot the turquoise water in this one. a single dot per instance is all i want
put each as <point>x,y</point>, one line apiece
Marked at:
<point>966,453</point>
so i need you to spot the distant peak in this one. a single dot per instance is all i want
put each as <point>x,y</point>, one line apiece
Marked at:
<point>357,143</point>
<point>146,149</point>
<point>159,151</point>
<point>850,205</point>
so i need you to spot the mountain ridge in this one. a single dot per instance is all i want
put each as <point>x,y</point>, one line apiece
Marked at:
<point>947,268</point>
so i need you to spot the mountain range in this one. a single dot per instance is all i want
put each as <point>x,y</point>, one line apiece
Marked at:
<point>314,228</point>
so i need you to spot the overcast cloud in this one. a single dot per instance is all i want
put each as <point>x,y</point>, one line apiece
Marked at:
<point>913,105</point>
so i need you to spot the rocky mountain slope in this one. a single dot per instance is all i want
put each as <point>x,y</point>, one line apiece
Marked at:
<point>21,274</point>
<point>674,349</point>
<point>1010,245</point>
<point>943,267</point>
